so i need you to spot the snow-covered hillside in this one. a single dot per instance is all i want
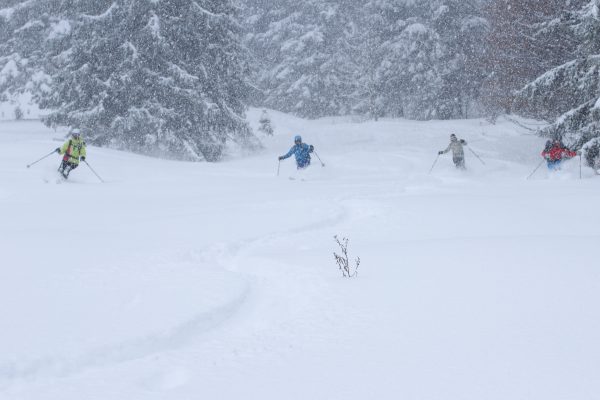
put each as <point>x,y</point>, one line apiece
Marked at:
<point>24,102</point>
<point>177,280</point>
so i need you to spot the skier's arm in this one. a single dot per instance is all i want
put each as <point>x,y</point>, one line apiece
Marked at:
<point>546,154</point>
<point>83,152</point>
<point>64,148</point>
<point>288,155</point>
<point>447,149</point>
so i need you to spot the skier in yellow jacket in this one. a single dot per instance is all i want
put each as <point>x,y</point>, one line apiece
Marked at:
<point>73,151</point>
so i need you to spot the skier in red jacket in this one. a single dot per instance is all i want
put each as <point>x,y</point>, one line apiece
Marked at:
<point>555,152</point>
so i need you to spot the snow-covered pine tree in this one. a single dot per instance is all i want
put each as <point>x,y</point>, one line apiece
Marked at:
<point>462,31</point>
<point>17,25</point>
<point>421,58</point>
<point>369,99</point>
<point>266,125</point>
<point>570,93</point>
<point>418,59</point>
<point>159,77</point>
<point>34,30</point>
<point>308,58</point>
<point>5,52</point>
<point>416,75</point>
<point>381,23</point>
<point>404,70</point>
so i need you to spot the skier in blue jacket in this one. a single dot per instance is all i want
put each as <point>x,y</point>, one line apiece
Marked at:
<point>301,151</point>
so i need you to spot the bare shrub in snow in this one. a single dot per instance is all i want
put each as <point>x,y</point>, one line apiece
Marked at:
<point>342,261</point>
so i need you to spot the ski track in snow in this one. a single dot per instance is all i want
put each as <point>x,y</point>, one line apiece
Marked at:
<point>141,347</point>
<point>224,254</point>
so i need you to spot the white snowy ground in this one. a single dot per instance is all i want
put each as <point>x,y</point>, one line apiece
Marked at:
<point>182,280</point>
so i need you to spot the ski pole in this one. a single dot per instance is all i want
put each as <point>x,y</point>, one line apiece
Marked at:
<point>322,164</point>
<point>278,166</point>
<point>433,166</point>
<point>46,156</point>
<point>536,168</point>
<point>476,155</point>
<point>92,169</point>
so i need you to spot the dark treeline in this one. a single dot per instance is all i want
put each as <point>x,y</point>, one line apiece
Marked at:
<point>175,76</point>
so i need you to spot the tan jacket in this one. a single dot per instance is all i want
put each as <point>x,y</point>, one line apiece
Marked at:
<point>457,148</point>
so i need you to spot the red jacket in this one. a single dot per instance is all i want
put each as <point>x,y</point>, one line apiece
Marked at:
<point>557,152</point>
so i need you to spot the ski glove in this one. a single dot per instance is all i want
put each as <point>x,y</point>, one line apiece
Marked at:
<point>280,158</point>
<point>82,158</point>
<point>312,148</point>
<point>440,152</point>
<point>462,141</point>
<point>57,150</point>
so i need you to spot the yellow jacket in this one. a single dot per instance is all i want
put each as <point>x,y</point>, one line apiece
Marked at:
<point>73,149</point>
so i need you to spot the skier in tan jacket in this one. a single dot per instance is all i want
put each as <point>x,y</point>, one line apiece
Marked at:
<point>458,153</point>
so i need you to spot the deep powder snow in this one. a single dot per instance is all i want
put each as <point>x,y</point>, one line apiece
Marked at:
<point>179,280</point>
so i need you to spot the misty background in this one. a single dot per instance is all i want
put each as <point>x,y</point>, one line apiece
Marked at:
<point>174,78</point>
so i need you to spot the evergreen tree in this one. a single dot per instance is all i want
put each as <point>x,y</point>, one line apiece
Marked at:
<point>13,66</point>
<point>401,54</point>
<point>570,93</point>
<point>172,76</point>
<point>32,29</point>
<point>165,78</point>
<point>418,59</point>
<point>308,58</point>
<point>462,31</point>
<point>422,57</point>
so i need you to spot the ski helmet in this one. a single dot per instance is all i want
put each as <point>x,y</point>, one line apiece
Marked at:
<point>75,133</point>
<point>453,137</point>
<point>298,139</point>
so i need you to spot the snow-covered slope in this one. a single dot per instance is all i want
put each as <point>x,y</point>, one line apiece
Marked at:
<point>181,280</point>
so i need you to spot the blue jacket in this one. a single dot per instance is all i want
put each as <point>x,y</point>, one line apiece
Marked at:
<point>302,153</point>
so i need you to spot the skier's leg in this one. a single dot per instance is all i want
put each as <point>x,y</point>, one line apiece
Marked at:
<point>70,167</point>
<point>554,165</point>
<point>459,162</point>
<point>300,165</point>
